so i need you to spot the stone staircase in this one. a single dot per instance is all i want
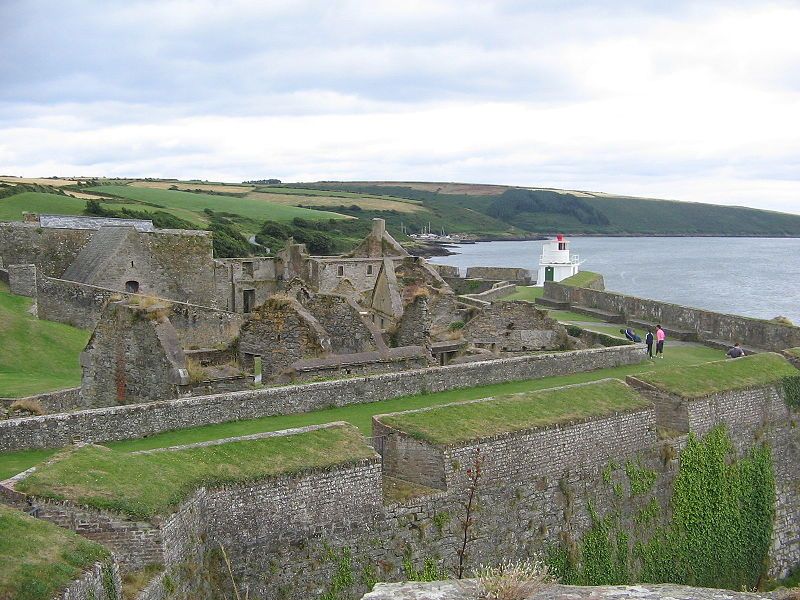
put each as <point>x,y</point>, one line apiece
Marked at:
<point>89,262</point>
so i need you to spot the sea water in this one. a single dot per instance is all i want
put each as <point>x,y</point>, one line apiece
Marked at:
<point>757,277</point>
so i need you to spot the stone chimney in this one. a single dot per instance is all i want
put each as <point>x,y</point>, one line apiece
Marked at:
<point>378,228</point>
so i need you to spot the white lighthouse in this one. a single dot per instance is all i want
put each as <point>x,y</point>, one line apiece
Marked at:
<point>556,263</point>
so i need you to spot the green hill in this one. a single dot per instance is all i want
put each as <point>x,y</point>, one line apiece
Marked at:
<point>489,210</point>
<point>50,349</point>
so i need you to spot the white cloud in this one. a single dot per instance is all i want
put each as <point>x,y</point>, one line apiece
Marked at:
<point>681,102</point>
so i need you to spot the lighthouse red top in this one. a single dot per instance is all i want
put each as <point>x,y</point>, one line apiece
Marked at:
<point>560,237</point>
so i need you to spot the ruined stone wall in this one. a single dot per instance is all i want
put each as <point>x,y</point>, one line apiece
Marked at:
<point>100,582</point>
<point>347,330</point>
<point>135,421</point>
<point>414,327</point>
<point>282,332</point>
<point>512,274</point>
<point>709,325</point>
<point>133,356</point>
<point>326,278</point>
<point>136,544</point>
<point>365,363</point>
<point>22,280</point>
<point>51,250</point>
<point>79,305</point>
<point>233,276</point>
<point>53,402</point>
<point>515,327</point>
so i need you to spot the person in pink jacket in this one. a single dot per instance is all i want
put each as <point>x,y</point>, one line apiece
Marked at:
<point>660,337</point>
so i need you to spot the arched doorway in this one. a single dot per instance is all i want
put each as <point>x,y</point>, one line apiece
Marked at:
<point>132,287</point>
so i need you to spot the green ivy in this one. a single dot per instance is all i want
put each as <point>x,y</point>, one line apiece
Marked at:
<point>342,576</point>
<point>431,571</point>
<point>791,390</point>
<point>640,479</point>
<point>722,512</point>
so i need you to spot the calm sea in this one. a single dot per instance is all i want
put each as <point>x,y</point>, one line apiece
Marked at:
<point>758,277</point>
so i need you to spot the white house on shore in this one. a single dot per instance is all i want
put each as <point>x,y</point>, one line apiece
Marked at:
<point>556,263</point>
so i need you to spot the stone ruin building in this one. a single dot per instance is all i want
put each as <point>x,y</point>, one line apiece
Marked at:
<point>169,320</point>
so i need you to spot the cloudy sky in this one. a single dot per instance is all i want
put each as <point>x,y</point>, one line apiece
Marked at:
<point>685,100</point>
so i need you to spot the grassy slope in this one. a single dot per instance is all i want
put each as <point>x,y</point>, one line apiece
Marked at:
<point>723,375</point>
<point>360,415</point>
<point>527,293</point>
<point>35,356</point>
<point>627,215</point>
<point>38,559</point>
<point>474,420</point>
<point>11,208</point>
<point>256,210</point>
<point>146,485</point>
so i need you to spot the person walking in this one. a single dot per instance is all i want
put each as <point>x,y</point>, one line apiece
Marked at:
<point>660,337</point>
<point>648,339</point>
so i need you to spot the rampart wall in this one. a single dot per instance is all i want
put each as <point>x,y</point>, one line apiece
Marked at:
<point>79,305</point>
<point>51,250</point>
<point>95,584</point>
<point>295,535</point>
<point>709,325</point>
<point>134,421</point>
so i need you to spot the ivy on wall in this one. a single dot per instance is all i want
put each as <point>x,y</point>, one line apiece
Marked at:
<point>791,390</point>
<point>722,514</point>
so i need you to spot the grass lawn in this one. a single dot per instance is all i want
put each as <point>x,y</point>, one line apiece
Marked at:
<point>146,485</point>
<point>35,356</point>
<point>568,315</point>
<point>11,208</point>
<point>581,279</point>
<point>722,375</point>
<point>360,415</point>
<point>39,559</point>
<point>793,352</point>
<point>473,420</point>
<point>179,203</point>
<point>524,292</point>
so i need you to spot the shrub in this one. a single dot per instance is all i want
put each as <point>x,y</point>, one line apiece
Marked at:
<point>456,325</point>
<point>781,320</point>
<point>27,405</point>
<point>512,580</point>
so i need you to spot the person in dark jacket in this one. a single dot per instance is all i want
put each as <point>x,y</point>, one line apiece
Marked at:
<point>736,351</point>
<point>648,339</point>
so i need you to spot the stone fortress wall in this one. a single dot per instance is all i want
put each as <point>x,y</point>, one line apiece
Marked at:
<point>709,326</point>
<point>291,535</point>
<point>139,420</point>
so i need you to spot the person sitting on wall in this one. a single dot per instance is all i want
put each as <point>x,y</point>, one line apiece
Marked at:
<point>631,335</point>
<point>735,352</point>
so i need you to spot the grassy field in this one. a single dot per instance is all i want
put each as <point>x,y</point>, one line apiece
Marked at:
<point>35,356</point>
<point>361,415</point>
<point>254,211</point>
<point>11,208</point>
<point>146,485</point>
<point>526,293</point>
<point>39,559</point>
<point>723,375</point>
<point>334,199</point>
<point>473,420</point>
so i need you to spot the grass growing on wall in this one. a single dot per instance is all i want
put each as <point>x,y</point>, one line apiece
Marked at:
<point>462,422</point>
<point>581,279</point>
<point>360,415</point>
<point>38,559</point>
<point>722,375</point>
<point>146,485</point>
<point>35,356</point>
